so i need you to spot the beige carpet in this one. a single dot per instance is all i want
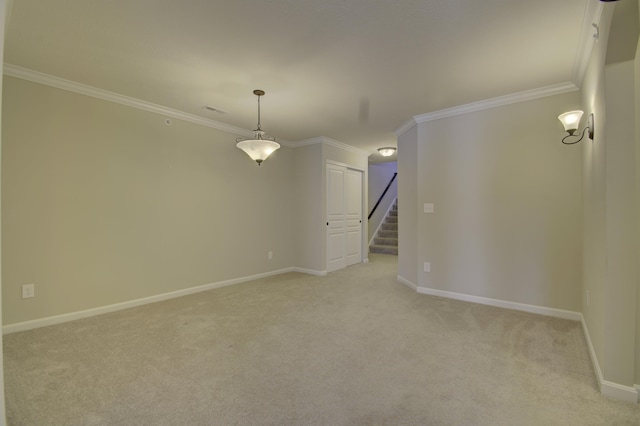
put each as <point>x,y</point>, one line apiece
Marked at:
<point>352,348</point>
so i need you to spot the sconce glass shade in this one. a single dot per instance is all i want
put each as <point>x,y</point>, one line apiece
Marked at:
<point>571,120</point>
<point>258,149</point>
<point>387,151</point>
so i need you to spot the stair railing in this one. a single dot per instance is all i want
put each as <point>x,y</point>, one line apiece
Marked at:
<point>382,196</point>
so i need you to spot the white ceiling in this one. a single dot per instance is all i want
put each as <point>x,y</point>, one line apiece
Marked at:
<point>350,70</point>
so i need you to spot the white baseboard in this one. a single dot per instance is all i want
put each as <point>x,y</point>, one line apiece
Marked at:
<point>534,309</point>
<point>58,319</point>
<point>408,283</point>
<point>619,392</point>
<point>610,389</point>
<point>309,271</point>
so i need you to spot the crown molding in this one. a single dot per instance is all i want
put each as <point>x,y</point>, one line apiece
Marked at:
<point>332,142</point>
<point>82,89</point>
<point>527,95</point>
<point>406,126</point>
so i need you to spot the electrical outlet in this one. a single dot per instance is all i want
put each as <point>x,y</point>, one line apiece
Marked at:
<point>428,207</point>
<point>427,267</point>
<point>270,255</point>
<point>28,290</point>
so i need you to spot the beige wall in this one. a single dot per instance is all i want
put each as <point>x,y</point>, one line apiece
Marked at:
<point>507,200</point>
<point>309,207</point>
<point>594,193</point>
<point>611,227</point>
<point>103,204</point>
<point>620,301</point>
<point>408,209</point>
<point>5,7</point>
<point>637,197</point>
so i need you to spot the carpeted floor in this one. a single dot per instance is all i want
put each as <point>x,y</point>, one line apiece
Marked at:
<point>352,348</point>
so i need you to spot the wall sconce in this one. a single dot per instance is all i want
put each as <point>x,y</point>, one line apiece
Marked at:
<point>387,151</point>
<point>571,122</point>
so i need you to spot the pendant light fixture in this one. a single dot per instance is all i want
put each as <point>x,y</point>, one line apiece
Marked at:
<point>261,146</point>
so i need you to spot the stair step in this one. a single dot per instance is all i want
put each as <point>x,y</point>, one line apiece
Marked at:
<point>386,240</point>
<point>389,226</point>
<point>382,241</point>
<point>393,233</point>
<point>383,249</point>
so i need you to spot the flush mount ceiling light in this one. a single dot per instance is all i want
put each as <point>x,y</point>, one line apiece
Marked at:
<point>261,146</point>
<point>387,151</point>
<point>571,122</point>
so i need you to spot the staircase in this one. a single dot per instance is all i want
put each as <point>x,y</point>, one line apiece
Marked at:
<point>386,240</point>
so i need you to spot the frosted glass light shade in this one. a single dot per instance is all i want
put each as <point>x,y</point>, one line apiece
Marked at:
<point>386,152</point>
<point>571,120</point>
<point>258,149</point>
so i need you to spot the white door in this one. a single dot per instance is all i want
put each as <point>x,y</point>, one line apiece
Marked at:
<point>344,217</point>
<point>353,201</point>
<point>336,220</point>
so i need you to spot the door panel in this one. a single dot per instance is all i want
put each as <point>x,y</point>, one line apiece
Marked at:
<point>353,200</point>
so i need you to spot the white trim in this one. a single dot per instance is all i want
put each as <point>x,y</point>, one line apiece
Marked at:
<point>408,283</point>
<point>619,392</point>
<point>83,89</point>
<point>346,166</point>
<point>592,351</point>
<point>406,126</point>
<point>58,319</point>
<point>610,389</point>
<point>534,309</point>
<point>607,388</point>
<point>309,271</point>
<point>527,95</point>
<point>513,98</point>
<point>331,142</point>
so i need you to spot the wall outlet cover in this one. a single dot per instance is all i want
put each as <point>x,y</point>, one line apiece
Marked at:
<point>28,291</point>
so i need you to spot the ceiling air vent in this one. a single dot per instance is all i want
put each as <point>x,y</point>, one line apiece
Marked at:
<point>214,109</point>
